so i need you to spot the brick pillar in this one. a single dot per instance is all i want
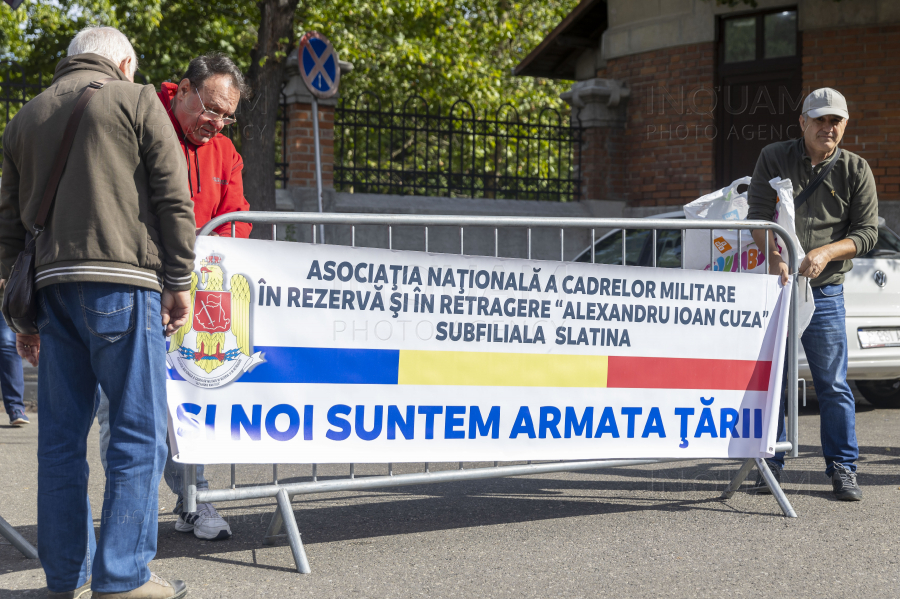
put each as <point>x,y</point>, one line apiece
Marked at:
<point>598,107</point>
<point>301,156</point>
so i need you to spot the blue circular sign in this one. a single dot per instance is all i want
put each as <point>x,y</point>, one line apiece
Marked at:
<point>318,63</point>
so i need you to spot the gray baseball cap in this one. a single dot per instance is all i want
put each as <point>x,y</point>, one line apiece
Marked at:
<point>825,101</point>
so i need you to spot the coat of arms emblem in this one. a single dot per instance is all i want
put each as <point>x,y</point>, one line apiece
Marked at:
<point>213,347</point>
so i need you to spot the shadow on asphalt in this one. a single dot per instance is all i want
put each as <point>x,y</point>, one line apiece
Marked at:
<point>485,503</point>
<point>22,594</point>
<point>362,517</point>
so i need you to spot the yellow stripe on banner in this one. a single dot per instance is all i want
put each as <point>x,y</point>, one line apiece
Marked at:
<point>486,369</point>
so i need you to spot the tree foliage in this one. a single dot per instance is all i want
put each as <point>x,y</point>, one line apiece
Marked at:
<point>439,49</point>
<point>166,34</point>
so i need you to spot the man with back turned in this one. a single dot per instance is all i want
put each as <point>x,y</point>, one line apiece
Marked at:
<point>113,269</point>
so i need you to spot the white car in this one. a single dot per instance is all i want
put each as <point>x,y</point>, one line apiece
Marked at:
<point>871,299</point>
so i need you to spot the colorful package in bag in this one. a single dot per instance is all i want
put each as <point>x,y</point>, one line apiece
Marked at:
<point>723,204</point>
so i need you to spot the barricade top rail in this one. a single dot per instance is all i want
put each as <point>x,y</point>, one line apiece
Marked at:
<point>419,220</point>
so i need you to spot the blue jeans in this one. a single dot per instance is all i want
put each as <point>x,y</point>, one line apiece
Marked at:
<point>825,344</point>
<point>12,382</point>
<point>111,334</point>
<point>174,473</point>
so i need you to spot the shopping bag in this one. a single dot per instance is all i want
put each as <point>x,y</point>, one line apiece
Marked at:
<point>784,216</point>
<point>728,204</point>
<point>721,246</point>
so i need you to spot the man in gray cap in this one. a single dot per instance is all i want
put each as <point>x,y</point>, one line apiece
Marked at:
<point>836,220</point>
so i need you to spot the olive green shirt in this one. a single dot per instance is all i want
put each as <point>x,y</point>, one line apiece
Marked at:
<point>845,205</point>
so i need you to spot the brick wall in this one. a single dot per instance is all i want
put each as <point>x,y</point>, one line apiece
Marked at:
<point>301,146</point>
<point>862,63</point>
<point>668,147</point>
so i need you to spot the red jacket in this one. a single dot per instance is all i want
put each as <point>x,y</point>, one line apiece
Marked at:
<point>214,174</point>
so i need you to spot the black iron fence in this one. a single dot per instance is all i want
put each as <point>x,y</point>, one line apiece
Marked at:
<point>418,150</point>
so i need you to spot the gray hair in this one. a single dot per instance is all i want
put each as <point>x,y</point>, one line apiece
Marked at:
<point>108,42</point>
<point>212,64</point>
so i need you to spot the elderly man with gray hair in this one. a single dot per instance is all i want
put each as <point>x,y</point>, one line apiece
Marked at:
<point>113,266</point>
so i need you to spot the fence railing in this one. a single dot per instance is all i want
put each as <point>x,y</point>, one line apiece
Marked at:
<point>418,150</point>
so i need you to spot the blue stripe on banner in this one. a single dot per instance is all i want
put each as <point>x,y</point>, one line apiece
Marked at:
<point>337,366</point>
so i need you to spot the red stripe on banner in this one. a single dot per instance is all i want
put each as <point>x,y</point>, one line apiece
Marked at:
<point>686,373</point>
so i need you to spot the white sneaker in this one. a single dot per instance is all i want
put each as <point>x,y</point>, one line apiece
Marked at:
<point>206,523</point>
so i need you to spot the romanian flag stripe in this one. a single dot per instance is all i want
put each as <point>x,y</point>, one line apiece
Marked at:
<point>340,366</point>
<point>688,373</point>
<point>492,369</point>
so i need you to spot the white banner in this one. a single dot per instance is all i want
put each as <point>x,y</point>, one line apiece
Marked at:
<point>298,353</point>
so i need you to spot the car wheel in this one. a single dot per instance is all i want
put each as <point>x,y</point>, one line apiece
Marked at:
<point>881,394</point>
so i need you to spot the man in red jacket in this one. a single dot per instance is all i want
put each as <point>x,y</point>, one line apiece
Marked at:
<point>200,106</point>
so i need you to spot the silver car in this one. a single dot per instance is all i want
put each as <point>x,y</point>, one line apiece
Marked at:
<point>871,299</point>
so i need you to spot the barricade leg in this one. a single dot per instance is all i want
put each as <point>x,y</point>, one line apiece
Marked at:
<point>190,496</point>
<point>293,533</point>
<point>273,532</point>
<point>738,479</point>
<point>776,489</point>
<point>17,540</point>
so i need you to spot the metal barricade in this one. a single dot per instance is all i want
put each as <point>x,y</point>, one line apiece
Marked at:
<point>285,492</point>
<point>16,540</point>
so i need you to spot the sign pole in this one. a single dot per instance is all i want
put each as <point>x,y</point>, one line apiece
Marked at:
<point>315,117</point>
<point>321,72</point>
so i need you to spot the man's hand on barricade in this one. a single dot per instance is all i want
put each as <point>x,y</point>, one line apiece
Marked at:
<point>777,265</point>
<point>175,307</point>
<point>29,348</point>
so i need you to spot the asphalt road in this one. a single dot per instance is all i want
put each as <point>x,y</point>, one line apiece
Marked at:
<point>648,531</point>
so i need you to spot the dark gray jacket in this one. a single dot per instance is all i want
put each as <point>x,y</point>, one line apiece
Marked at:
<point>123,213</point>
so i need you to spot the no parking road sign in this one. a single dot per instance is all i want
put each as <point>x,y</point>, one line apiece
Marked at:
<point>319,65</point>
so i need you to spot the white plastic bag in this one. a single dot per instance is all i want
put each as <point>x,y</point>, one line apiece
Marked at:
<point>728,204</point>
<point>784,216</point>
<point>724,204</point>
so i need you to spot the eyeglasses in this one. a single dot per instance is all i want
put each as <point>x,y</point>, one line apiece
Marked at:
<point>213,116</point>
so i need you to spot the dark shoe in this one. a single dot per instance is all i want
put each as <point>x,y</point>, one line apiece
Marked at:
<point>82,592</point>
<point>760,487</point>
<point>843,480</point>
<point>18,418</point>
<point>155,588</point>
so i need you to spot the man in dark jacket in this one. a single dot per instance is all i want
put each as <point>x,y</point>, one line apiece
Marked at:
<point>113,269</point>
<point>838,222</point>
<point>199,107</point>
